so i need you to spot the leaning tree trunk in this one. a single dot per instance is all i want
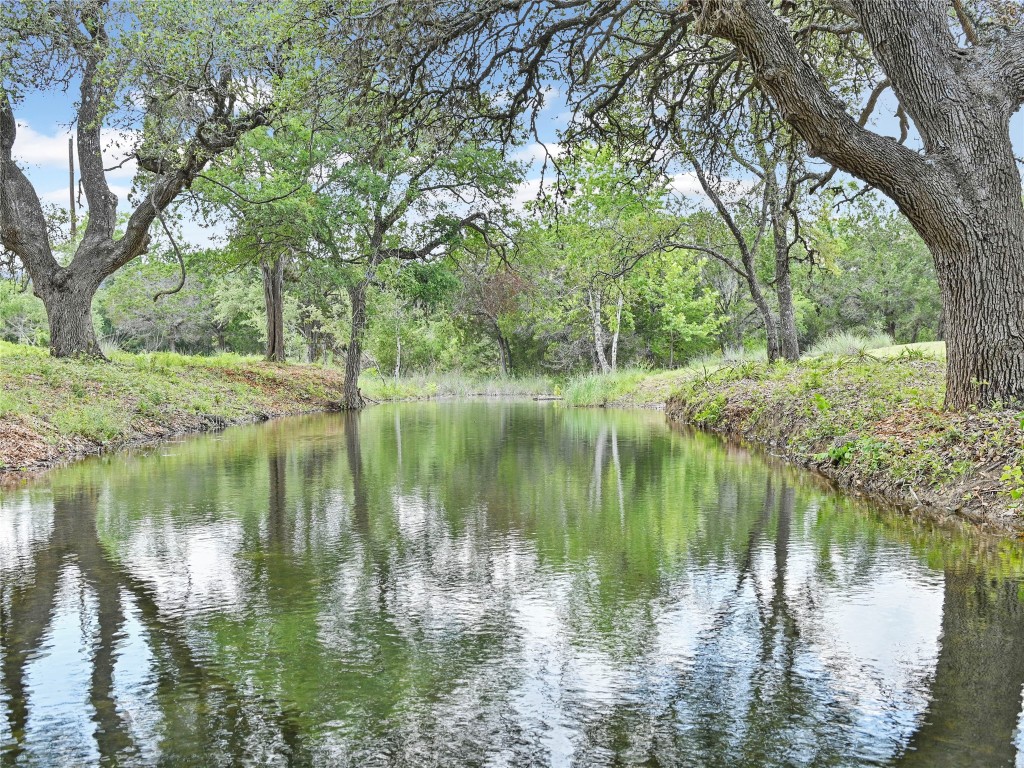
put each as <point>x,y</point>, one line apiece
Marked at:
<point>68,302</point>
<point>771,327</point>
<point>504,353</point>
<point>351,397</point>
<point>273,298</point>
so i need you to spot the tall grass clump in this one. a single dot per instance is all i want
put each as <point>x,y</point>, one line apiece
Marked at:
<point>849,343</point>
<point>602,388</point>
<point>417,386</point>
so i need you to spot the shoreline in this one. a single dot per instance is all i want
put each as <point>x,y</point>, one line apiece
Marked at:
<point>872,427</point>
<point>54,412</point>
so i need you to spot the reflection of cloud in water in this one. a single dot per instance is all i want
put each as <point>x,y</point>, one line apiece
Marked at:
<point>59,727</point>
<point>191,569</point>
<point>23,526</point>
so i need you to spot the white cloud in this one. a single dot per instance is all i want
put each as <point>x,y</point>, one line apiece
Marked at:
<point>686,184</point>
<point>534,154</point>
<point>32,148</point>
<point>526,192</point>
<point>60,195</point>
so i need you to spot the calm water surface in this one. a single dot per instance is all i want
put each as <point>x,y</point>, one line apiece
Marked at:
<point>492,584</point>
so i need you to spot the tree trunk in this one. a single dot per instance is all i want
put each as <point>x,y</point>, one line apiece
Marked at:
<point>398,355</point>
<point>352,398</point>
<point>789,341</point>
<point>504,353</point>
<point>981,274</point>
<point>69,311</point>
<point>771,326</point>
<point>615,335</point>
<point>595,311</point>
<point>273,297</point>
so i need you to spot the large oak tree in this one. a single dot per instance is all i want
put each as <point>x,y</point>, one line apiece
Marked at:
<point>179,83</point>
<point>956,69</point>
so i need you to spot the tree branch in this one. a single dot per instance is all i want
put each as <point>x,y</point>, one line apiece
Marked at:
<point>22,223</point>
<point>809,106</point>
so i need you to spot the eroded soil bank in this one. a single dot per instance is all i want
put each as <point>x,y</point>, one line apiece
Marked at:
<point>53,411</point>
<point>874,426</point>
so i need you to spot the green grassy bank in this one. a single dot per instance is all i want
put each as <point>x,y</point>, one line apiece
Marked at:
<point>53,410</point>
<point>874,424</point>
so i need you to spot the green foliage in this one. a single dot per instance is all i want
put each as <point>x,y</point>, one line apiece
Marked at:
<point>879,275</point>
<point>1013,481</point>
<point>22,316</point>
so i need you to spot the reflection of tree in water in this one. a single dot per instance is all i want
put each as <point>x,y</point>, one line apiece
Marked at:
<point>976,692</point>
<point>206,719</point>
<point>388,569</point>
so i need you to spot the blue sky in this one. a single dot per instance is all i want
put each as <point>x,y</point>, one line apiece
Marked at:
<point>42,150</point>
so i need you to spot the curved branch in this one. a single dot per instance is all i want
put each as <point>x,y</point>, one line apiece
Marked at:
<point>177,253</point>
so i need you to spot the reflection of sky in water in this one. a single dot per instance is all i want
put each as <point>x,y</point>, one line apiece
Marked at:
<point>511,646</point>
<point>57,679</point>
<point>22,524</point>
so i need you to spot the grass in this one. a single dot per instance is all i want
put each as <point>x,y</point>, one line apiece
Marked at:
<point>863,411</point>
<point>871,422</point>
<point>602,389</point>
<point>451,384</point>
<point>846,343</point>
<point>51,409</point>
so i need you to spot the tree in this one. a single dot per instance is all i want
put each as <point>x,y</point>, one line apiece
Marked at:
<point>407,196</point>
<point>955,68</point>
<point>605,220</point>
<point>492,295</point>
<point>184,319</point>
<point>673,310</point>
<point>876,275</point>
<point>185,85</point>
<point>267,194</point>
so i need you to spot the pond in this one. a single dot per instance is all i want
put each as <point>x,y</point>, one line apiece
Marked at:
<point>492,584</point>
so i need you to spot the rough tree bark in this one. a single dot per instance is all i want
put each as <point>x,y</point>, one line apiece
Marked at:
<point>789,340</point>
<point>962,194</point>
<point>351,397</point>
<point>272,271</point>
